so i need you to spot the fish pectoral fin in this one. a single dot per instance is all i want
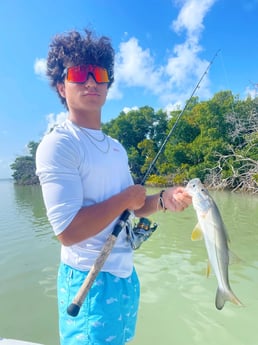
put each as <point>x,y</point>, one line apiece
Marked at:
<point>233,258</point>
<point>197,233</point>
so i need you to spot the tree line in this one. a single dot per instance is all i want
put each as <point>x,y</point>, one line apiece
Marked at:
<point>215,140</point>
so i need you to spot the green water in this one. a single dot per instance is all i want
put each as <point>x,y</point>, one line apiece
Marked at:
<point>177,301</point>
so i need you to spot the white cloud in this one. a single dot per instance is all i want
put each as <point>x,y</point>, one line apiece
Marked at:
<point>184,70</point>
<point>191,17</point>
<point>173,82</point>
<point>173,106</point>
<point>134,67</point>
<point>40,67</point>
<point>127,109</point>
<point>251,92</point>
<point>185,67</point>
<point>114,91</point>
<point>53,120</point>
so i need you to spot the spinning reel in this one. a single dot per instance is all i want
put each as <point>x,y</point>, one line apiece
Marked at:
<point>140,232</point>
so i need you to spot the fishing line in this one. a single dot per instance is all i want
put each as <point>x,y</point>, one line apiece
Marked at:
<point>227,80</point>
<point>177,120</point>
<point>74,308</point>
<point>224,70</point>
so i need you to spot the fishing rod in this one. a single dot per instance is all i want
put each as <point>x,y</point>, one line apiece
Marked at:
<point>177,119</point>
<point>74,308</point>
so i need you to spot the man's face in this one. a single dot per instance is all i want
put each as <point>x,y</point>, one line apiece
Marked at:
<point>87,96</point>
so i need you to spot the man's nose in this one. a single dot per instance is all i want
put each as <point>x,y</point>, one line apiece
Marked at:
<point>90,80</point>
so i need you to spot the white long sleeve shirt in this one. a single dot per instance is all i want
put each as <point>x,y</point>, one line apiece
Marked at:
<point>77,168</point>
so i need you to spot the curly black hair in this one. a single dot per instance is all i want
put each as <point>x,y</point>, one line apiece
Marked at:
<point>73,49</point>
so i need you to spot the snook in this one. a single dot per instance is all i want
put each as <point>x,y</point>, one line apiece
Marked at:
<point>211,227</point>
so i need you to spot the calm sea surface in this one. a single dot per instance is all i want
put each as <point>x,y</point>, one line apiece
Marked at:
<point>177,302</point>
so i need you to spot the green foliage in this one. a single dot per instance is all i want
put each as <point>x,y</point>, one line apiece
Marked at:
<point>24,167</point>
<point>141,132</point>
<point>215,140</point>
<point>206,132</point>
<point>155,180</point>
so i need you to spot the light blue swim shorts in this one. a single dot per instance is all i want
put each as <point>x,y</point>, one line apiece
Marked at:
<point>108,314</point>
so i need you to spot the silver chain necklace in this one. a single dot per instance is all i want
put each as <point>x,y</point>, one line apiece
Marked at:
<point>95,140</point>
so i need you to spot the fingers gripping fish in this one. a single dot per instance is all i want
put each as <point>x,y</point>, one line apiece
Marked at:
<point>211,227</point>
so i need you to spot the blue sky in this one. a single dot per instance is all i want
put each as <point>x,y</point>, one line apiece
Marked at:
<point>162,48</point>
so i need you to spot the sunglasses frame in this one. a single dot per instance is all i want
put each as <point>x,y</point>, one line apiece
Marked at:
<point>90,69</point>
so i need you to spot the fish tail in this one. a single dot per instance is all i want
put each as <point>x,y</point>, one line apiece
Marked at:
<point>223,296</point>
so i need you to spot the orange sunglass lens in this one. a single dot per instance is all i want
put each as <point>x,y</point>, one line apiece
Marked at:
<point>100,75</point>
<point>79,74</point>
<point>76,74</point>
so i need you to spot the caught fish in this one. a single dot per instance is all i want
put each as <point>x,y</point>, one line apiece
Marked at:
<point>211,228</point>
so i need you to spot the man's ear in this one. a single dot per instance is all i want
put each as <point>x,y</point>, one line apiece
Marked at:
<point>61,89</point>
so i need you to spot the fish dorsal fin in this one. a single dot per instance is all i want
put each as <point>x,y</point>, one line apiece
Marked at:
<point>197,233</point>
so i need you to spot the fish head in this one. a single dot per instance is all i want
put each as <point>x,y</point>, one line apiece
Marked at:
<point>200,195</point>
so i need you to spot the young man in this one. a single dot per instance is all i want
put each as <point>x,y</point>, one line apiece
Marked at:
<point>86,186</point>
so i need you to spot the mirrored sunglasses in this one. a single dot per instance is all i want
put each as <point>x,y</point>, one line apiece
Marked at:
<point>79,74</point>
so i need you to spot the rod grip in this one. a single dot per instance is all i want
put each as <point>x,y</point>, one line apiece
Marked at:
<point>73,309</point>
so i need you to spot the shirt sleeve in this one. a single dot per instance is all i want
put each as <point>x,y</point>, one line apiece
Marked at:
<point>57,162</point>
